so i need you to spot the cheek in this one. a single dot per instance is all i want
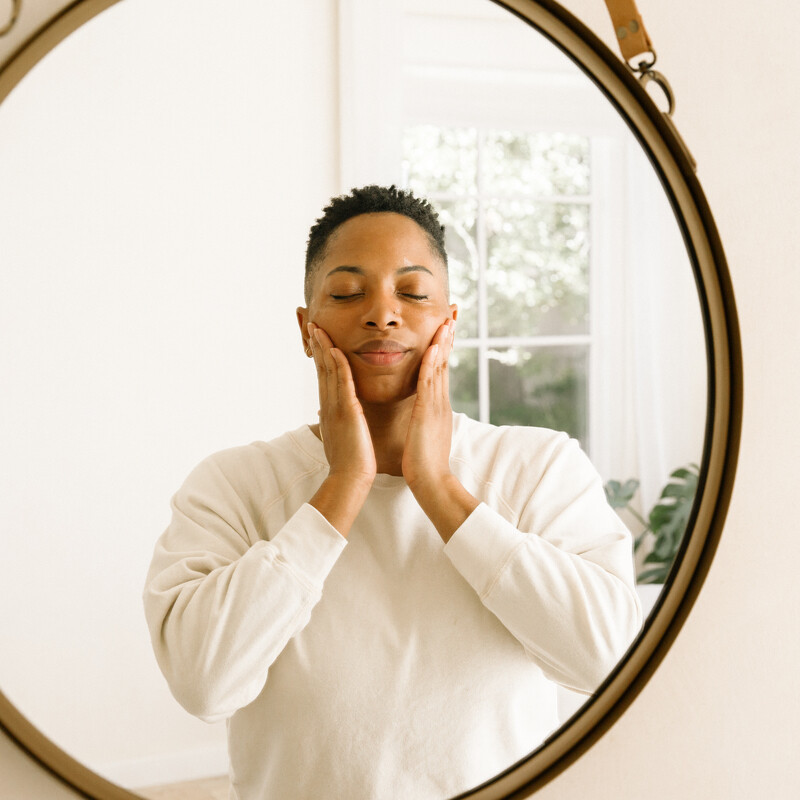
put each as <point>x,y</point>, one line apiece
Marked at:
<point>332,323</point>
<point>431,325</point>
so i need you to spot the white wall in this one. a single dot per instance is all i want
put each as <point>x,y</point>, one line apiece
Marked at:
<point>153,241</point>
<point>718,719</point>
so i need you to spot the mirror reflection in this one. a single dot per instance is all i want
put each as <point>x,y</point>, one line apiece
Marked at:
<point>154,221</point>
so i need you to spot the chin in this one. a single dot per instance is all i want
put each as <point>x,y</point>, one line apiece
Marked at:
<point>384,392</point>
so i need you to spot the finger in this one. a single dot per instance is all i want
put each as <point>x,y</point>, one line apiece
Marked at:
<point>445,336</point>
<point>440,372</point>
<point>442,340</point>
<point>426,374</point>
<point>345,385</point>
<point>445,381</point>
<point>316,352</point>
<point>450,338</point>
<point>323,337</point>
<point>309,335</point>
<point>331,377</point>
<point>331,366</point>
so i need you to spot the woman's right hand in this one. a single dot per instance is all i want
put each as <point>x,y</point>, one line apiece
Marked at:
<point>345,435</point>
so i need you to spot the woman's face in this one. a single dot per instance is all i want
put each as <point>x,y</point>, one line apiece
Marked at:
<point>380,293</point>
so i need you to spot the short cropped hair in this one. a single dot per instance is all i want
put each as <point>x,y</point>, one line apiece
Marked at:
<point>371,200</point>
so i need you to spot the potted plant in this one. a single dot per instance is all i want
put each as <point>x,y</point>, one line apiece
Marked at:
<point>665,524</point>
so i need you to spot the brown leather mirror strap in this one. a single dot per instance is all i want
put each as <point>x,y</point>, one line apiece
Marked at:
<point>631,34</point>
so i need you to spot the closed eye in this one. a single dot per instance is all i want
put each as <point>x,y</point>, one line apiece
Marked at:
<point>417,297</point>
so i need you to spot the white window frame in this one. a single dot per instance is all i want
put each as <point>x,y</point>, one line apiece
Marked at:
<point>484,341</point>
<point>437,70</point>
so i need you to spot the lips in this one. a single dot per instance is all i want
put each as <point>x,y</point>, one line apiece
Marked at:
<point>382,346</point>
<point>382,352</point>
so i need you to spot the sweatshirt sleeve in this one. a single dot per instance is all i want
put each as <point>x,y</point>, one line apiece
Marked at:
<point>561,579</point>
<point>220,609</point>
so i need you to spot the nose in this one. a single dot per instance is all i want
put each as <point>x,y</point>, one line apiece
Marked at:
<point>382,313</point>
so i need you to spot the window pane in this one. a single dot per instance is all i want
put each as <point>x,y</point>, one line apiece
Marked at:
<point>544,387</point>
<point>439,160</point>
<point>536,163</point>
<point>464,381</point>
<point>538,270</point>
<point>458,219</point>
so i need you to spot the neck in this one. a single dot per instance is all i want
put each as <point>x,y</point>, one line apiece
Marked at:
<point>388,427</point>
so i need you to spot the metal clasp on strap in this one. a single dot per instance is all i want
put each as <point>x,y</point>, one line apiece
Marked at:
<point>647,75</point>
<point>639,55</point>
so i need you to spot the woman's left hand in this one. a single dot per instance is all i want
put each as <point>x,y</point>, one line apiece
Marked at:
<point>426,457</point>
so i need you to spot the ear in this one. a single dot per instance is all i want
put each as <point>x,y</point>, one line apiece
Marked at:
<point>303,318</point>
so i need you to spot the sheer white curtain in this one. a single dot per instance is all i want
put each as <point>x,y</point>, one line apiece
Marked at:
<point>664,356</point>
<point>459,63</point>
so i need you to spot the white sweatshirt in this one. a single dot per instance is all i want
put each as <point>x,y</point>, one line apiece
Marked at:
<point>388,665</point>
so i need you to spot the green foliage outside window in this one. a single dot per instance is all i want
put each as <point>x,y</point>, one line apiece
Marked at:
<point>515,209</point>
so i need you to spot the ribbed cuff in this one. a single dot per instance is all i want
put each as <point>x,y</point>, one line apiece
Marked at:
<point>481,546</point>
<point>309,544</point>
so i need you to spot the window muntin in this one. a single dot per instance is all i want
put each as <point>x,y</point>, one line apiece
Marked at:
<point>516,206</point>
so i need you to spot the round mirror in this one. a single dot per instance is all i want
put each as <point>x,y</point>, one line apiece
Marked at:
<point>161,168</point>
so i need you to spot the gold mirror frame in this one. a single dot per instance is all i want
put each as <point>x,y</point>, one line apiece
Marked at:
<point>672,163</point>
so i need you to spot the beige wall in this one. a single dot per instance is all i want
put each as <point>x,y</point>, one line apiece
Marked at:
<point>719,717</point>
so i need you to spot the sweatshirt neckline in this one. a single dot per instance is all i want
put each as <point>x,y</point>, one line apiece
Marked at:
<point>313,446</point>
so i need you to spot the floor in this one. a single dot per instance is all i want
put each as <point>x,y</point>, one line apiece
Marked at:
<point>206,789</point>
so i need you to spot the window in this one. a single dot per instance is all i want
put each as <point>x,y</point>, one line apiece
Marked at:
<point>517,212</point>
<point>578,309</point>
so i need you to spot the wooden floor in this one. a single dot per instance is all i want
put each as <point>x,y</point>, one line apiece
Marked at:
<point>206,789</point>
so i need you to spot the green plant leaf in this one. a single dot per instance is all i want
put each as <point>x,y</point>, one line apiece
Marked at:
<point>687,473</point>
<point>682,484</point>
<point>671,513</point>
<point>619,495</point>
<point>661,515</point>
<point>680,491</point>
<point>666,522</point>
<point>656,575</point>
<point>655,557</point>
<point>668,519</point>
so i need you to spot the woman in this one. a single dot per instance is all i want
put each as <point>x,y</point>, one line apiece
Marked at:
<point>382,604</point>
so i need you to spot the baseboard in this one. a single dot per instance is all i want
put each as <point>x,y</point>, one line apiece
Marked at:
<point>189,765</point>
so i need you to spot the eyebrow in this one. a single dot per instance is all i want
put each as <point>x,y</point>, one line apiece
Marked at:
<point>360,270</point>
